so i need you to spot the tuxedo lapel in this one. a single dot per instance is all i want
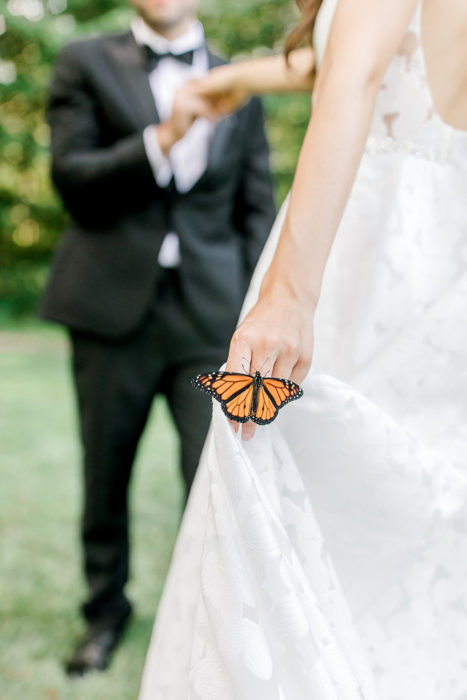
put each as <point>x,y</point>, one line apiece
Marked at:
<point>128,59</point>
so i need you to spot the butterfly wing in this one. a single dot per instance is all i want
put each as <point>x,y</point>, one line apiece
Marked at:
<point>272,395</point>
<point>233,390</point>
<point>239,407</point>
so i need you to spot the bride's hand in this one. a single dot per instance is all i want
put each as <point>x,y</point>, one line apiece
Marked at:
<point>219,87</point>
<point>275,338</point>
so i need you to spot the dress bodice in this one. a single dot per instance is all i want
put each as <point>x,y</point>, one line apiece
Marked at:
<point>405,119</point>
<point>401,245</point>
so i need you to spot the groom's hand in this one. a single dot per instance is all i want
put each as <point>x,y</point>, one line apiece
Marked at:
<point>187,107</point>
<point>220,89</point>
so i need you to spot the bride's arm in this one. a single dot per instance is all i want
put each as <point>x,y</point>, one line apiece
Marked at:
<point>266,75</point>
<point>277,334</point>
<point>276,74</point>
<point>228,87</point>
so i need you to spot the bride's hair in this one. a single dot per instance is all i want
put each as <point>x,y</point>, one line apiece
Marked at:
<point>303,32</point>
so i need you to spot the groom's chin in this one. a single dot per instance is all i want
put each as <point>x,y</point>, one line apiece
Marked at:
<point>164,15</point>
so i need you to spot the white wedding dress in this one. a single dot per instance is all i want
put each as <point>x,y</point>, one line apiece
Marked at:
<point>326,559</point>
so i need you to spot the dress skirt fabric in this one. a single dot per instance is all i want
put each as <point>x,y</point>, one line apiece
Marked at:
<point>326,559</point>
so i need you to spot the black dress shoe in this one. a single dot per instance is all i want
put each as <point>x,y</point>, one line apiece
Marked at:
<point>93,653</point>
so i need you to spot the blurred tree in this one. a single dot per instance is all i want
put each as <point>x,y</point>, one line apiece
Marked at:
<point>31,32</point>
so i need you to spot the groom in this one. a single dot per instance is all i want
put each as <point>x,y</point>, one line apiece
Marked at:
<point>168,215</point>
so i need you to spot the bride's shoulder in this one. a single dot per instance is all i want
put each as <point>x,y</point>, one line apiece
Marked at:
<point>361,34</point>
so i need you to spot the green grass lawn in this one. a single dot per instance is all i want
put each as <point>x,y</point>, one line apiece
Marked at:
<point>41,584</point>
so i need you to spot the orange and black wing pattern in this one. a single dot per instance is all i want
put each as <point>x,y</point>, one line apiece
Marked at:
<point>234,391</point>
<point>272,395</point>
<point>244,397</point>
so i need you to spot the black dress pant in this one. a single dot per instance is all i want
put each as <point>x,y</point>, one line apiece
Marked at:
<point>116,382</point>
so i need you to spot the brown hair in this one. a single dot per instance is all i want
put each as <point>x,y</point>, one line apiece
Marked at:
<point>303,32</point>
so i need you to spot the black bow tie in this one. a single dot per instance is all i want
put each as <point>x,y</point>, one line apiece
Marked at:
<point>153,58</point>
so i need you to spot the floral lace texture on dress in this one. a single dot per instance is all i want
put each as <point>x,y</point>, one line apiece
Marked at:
<point>326,559</point>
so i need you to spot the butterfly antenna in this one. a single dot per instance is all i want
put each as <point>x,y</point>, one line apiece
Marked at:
<point>245,369</point>
<point>261,370</point>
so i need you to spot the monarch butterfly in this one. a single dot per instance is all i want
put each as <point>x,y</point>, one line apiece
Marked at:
<point>248,397</point>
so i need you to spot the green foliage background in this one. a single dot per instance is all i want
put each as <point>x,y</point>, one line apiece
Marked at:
<point>31,32</point>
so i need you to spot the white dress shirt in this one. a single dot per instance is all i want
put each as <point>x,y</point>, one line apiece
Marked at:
<point>188,157</point>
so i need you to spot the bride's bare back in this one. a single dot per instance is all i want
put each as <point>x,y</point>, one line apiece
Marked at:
<point>444,37</point>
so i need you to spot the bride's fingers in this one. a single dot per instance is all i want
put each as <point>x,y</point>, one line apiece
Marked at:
<point>301,367</point>
<point>203,108</point>
<point>240,354</point>
<point>206,88</point>
<point>285,364</point>
<point>248,430</point>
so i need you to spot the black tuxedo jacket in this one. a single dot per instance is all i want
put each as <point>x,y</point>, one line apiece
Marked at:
<point>105,268</point>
